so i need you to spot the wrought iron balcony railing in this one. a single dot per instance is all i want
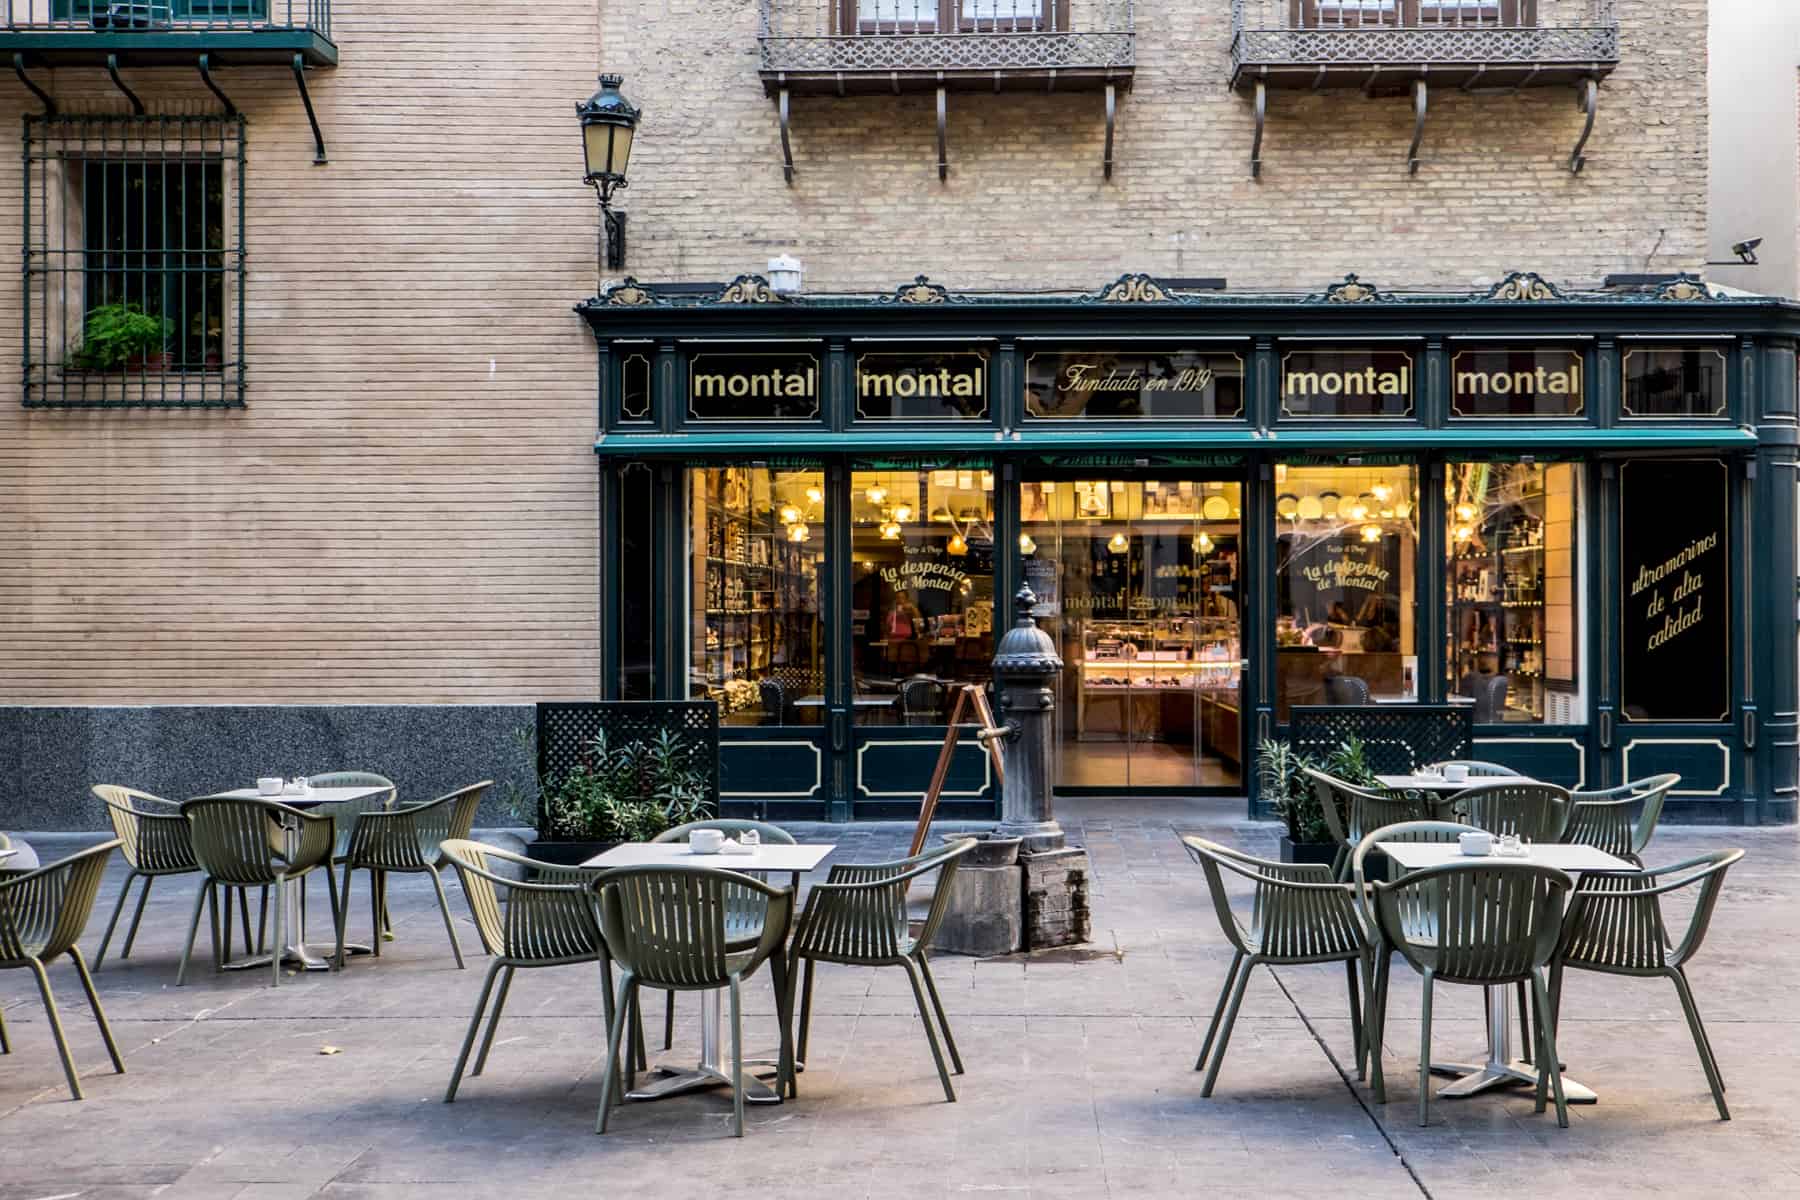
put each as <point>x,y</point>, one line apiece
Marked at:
<point>169,32</point>
<point>880,45</point>
<point>1392,46</point>
<point>1501,43</point>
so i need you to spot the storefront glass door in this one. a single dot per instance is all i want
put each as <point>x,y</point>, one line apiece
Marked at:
<point>1138,583</point>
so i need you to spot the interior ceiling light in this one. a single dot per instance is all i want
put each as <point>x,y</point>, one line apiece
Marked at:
<point>1371,533</point>
<point>1026,545</point>
<point>1465,512</point>
<point>902,512</point>
<point>1118,544</point>
<point>814,495</point>
<point>798,533</point>
<point>789,514</point>
<point>957,546</point>
<point>877,494</point>
<point>1382,492</point>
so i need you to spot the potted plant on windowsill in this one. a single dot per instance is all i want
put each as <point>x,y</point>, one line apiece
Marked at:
<point>121,337</point>
<point>618,792</point>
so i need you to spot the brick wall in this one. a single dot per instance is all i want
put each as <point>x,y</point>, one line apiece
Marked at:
<point>405,512</point>
<point>1026,206</point>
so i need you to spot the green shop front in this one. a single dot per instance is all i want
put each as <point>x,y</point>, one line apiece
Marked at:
<point>1573,512</point>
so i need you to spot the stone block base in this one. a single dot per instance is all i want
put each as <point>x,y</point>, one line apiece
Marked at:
<point>1056,898</point>
<point>984,916</point>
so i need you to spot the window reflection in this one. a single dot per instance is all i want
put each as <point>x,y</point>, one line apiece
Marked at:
<point>922,604</point>
<point>757,643</point>
<point>1345,544</point>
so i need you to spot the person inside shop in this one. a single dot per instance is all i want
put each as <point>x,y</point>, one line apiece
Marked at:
<point>905,630</point>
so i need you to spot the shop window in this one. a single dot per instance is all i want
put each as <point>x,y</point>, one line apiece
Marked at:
<point>753,385</point>
<point>1513,591</point>
<point>1126,384</point>
<point>901,385</point>
<point>922,600</point>
<point>757,540</point>
<point>1347,383</point>
<point>636,590</point>
<point>1499,381</point>
<point>1345,544</point>
<point>1674,382</point>
<point>135,271</point>
<point>634,387</point>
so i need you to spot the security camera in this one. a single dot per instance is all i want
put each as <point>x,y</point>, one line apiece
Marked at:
<point>1746,250</point>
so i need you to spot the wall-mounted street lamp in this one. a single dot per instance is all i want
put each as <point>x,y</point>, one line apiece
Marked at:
<point>608,123</point>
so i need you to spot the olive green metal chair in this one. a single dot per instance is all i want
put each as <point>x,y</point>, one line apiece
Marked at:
<point>670,927</point>
<point>43,914</point>
<point>408,841</point>
<point>1615,925</point>
<point>1298,915</point>
<point>1604,819</point>
<point>1536,812</point>
<point>345,812</point>
<point>1352,812</point>
<point>730,827</point>
<point>1362,890</point>
<point>1473,922</point>
<point>1479,768</point>
<point>246,843</point>
<point>857,918</point>
<point>156,842</point>
<point>550,922</point>
<point>16,864</point>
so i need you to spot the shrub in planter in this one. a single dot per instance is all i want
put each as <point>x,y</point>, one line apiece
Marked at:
<point>118,336</point>
<point>624,792</point>
<point>1278,769</point>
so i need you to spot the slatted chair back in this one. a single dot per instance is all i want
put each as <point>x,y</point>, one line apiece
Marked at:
<point>667,924</point>
<point>240,842</point>
<point>1475,922</point>
<point>345,812</point>
<point>1615,921</point>
<point>409,838</point>
<point>1480,768</point>
<point>1535,812</point>
<point>548,922</point>
<point>747,911</point>
<point>858,915</point>
<point>1298,914</point>
<point>1371,842</point>
<point>153,835</point>
<point>1604,819</point>
<point>43,912</point>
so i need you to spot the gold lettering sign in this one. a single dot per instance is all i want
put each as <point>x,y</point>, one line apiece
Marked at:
<point>1350,382</point>
<point>1126,383</point>
<point>918,386</point>
<point>1675,627</point>
<point>753,386</point>
<point>1516,382</point>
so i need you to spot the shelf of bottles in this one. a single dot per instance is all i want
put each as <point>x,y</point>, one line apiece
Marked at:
<point>760,580</point>
<point>1497,603</point>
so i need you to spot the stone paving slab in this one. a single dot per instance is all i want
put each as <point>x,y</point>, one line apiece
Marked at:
<point>1080,1082</point>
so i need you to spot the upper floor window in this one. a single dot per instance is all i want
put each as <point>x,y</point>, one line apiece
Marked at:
<point>134,263</point>
<point>1351,14</point>
<point>946,16</point>
<point>1674,382</point>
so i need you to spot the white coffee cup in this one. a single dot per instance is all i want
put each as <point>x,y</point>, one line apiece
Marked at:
<point>750,837</point>
<point>1476,844</point>
<point>705,841</point>
<point>269,785</point>
<point>1456,774</point>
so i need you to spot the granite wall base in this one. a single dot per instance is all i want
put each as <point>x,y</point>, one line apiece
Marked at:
<point>50,757</point>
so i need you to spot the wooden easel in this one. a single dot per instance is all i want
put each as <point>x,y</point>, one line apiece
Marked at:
<point>967,694</point>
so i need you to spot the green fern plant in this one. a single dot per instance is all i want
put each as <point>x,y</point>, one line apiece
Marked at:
<point>114,334</point>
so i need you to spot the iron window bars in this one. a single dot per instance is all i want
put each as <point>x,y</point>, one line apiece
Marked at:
<point>140,221</point>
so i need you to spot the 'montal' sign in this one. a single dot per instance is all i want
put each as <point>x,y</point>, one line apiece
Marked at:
<point>922,385</point>
<point>1347,382</point>
<point>1516,382</point>
<point>753,385</point>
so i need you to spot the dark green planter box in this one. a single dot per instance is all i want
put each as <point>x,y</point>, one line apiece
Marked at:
<point>1307,852</point>
<point>566,854</point>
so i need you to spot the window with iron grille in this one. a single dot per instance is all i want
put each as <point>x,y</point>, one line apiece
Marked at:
<point>134,237</point>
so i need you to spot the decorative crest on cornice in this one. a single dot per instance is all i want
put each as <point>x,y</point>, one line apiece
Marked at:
<point>626,291</point>
<point>1136,288</point>
<point>749,289</point>
<point>1524,285</point>
<point>1351,291</point>
<point>920,291</point>
<point>1684,288</point>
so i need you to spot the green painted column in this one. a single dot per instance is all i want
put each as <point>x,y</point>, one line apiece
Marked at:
<point>1774,491</point>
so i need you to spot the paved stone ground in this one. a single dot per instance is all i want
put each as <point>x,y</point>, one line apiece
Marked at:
<point>1080,1080</point>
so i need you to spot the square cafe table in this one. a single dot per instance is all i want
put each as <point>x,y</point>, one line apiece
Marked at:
<point>1442,786</point>
<point>293,896</point>
<point>1501,1067</point>
<point>711,1071</point>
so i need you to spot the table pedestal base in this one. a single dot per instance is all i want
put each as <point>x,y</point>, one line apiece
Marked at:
<point>1501,1069</point>
<point>710,1071</point>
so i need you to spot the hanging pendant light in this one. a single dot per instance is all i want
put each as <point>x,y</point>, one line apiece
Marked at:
<point>1382,493</point>
<point>902,512</point>
<point>789,514</point>
<point>957,546</point>
<point>798,533</point>
<point>1465,511</point>
<point>1202,544</point>
<point>1464,533</point>
<point>877,495</point>
<point>814,495</point>
<point>1026,545</point>
<point>1371,533</point>
<point>1118,544</point>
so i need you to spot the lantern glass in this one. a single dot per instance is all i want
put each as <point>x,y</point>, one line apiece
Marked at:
<point>608,148</point>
